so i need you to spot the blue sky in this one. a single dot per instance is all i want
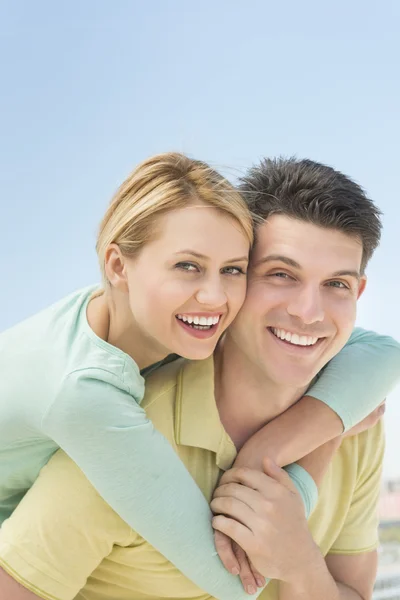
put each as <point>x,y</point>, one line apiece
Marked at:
<point>90,88</point>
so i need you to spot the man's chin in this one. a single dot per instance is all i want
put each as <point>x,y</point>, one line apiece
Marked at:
<point>296,379</point>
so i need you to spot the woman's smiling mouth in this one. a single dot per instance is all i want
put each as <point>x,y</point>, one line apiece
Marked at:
<point>199,325</point>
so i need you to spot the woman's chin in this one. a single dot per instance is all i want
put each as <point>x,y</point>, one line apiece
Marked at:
<point>193,353</point>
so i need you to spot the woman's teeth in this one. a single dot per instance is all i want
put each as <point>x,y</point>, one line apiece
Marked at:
<point>199,322</point>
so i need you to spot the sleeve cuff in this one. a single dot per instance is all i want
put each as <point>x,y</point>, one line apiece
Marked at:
<point>31,578</point>
<point>319,392</point>
<point>351,551</point>
<point>305,485</point>
<point>356,542</point>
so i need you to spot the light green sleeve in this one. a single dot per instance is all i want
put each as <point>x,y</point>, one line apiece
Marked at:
<point>136,471</point>
<point>360,377</point>
<point>306,486</point>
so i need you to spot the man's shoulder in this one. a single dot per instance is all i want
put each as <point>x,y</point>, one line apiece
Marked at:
<point>163,382</point>
<point>371,447</point>
<point>369,440</point>
<point>368,447</point>
<point>174,392</point>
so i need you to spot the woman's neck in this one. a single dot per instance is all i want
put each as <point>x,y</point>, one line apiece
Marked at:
<point>113,322</point>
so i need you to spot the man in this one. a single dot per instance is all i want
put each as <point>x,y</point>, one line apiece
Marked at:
<point>305,280</point>
<point>306,274</point>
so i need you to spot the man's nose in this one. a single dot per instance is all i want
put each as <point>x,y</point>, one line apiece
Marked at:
<point>307,305</point>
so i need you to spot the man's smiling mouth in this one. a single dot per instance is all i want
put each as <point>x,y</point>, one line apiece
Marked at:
<point>294,338</point>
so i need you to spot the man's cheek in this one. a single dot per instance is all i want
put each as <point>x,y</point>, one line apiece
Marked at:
<point>348,319</point>
<point>345,329</point>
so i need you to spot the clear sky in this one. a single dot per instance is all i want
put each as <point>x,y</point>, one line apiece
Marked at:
<point>90,88</point>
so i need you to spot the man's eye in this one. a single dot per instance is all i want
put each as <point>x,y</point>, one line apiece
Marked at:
<point>233,271</point>
<point>280,274</point>
<point>338,284</point>
<point>187,266</point>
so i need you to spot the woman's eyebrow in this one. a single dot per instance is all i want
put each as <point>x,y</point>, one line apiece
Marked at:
<point>204,257</point>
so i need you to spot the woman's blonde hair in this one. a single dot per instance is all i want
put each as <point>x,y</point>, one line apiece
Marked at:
<point>158,185</point>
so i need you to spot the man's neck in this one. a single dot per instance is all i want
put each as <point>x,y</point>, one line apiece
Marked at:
<point>246,397</point>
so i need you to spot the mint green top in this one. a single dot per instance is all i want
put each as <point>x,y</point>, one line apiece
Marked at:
<point>62,386</point>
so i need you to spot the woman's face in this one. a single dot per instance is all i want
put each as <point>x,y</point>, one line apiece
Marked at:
<point>188,283</point>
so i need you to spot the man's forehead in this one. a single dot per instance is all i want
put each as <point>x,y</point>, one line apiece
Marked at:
<point>300,243</point>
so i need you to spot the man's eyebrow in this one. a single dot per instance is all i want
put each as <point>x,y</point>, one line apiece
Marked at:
<point>277,257</point>
<point>293,263</point>
<point>347,273</point>
<point>204,257</point>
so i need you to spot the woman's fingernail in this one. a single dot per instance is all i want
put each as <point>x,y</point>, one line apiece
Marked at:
<point>235,571</point>
<point>251,590</point>
<point>260,582</point>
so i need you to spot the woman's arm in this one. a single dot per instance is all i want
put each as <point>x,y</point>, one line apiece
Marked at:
<point>137,472</point>
<point>353,384</point>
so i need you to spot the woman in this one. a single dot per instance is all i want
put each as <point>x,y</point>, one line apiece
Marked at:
<point>173,249</point>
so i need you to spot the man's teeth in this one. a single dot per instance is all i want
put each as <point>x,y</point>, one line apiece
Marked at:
<point>294,338</point>
<point>201,321</point>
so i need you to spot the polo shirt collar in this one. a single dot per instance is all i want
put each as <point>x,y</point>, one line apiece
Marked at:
<point>197,421</point>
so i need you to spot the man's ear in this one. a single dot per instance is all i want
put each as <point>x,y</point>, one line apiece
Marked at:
<point>114,266</point>
<point>361,286</point>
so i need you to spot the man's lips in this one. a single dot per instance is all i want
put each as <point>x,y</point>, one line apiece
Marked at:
<point>291,339</point>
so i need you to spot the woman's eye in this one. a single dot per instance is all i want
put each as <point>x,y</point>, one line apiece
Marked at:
<point>187,266</point>
<point>233,271</point>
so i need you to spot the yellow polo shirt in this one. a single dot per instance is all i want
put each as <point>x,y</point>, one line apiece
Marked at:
<point>64,542</point>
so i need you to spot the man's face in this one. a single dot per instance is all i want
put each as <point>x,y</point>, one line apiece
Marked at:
<point>300,308</point>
